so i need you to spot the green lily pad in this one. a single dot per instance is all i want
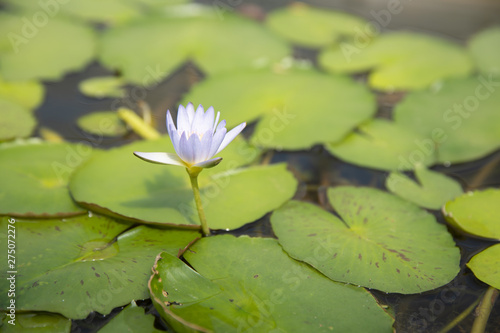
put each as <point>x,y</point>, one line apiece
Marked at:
<point>432,190</point>
<point>400,60</point>
<point>15,121</point>
<point>485,48</point>
<point>380,241</point>
<point>118,183</point>
<point>231,289</point>
<point>84,264</point>
<point>296,109</point>
<point>35,179</point>
<point>60,46</point>
<point>101,87</point>
<point>37,323</point>
<point>28,94</point>
<point>475,213</point>
<point>486,266</point>
<point>313,27</point>
<point>382,144</point>
<point>131,319</point>
<point>215,45</point>
<point>459,120</point>
<point>103,123</point>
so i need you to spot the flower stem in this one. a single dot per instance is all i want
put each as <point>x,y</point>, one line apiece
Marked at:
<point>484,309</point>
<point>197,199</point>
<point>137,124</point>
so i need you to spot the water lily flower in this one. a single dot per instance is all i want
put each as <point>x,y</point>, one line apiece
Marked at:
<point>197,138</point>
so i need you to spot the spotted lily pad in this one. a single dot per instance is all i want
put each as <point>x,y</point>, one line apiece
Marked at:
<point>485,50</point>
<point>101,87</point>
<point>84,264</point>
<point>15,121</point>
<point>131,319</point>
<point>103,123</point>
<point>380,241</point>
<point>231,289</point>
<point>28,94</point>
<point>41,322</point>
<point>60,46</point>
<point>296,109</point>
<point>475,213</point>
<point>459,120</point>
<point>214,45</point>
<point>432,189</point>
<point>313,27</point>
<point>382,144</point>
<point>486,266</point>
<point>35,179</point>
<point>118,183</point>
<point>400,60</point>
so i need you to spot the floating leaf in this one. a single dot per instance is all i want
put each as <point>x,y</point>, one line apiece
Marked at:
<point>234,290</point>
<point>296,109</point>
<point>215,45</point>
<point>313,27</point>
<point>28,94</point>
<point>381,144</point>
<point>37,323</point>
<point>486,266</point>
<point>432,190</point>
<point>15,121</point>
<point>102,123</point>
<point>59,46</point>
<point>459,121</point>
<point>101,87</point>
<point>84,264</point>
<point>485,48</point>
<point>475,213</point>
<point>380,241</point>
<point>35,179</point>
<point>116,182</point>
<point>400,60</point>
<point>131,319</point>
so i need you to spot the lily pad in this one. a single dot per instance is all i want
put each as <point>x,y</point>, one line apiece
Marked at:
<point>432,189</point>
<point>313,27</point>
<point>213,44</point>
<point>400,60</point>
<point>101,87</point>
<point>486,266</point>
<point>103,123</point>
<point>231,289</point>
<point>35,179</point>
<point>485,50</point>
<point>380,241</point>
<point>28,94</point>
<point>459,120</point>
<point>475,213</point>
<point>296,109</point>
<point>131,319</point>
<point>84,264</point>
<point>118,183</point>
<point>15,121</point>
<point>60,46</point>
<point>41,322</point>
<point>382,144</point>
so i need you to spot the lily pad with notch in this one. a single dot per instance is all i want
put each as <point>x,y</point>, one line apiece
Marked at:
<point>131,319</point>
<point>293,108</point>
<point>380,241</point>
<point>84,264</point>
<point>35,178</point>
<point>228,288</point>
<point>118,183</point>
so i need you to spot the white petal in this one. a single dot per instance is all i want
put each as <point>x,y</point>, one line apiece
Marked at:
<point>208,120</point>
<point>230,136</point>
<point>216,121</point>
<point>185,150</point>
<point>175,138</point>
<point>217,140</point>
<point>206,144</point>
<point>209,164</point>
<point>190,112</point>
<point>183,123</point>
<point>197,124</point>
<point>170,123</point>
<point>195,142</point>
<point>160,158</point>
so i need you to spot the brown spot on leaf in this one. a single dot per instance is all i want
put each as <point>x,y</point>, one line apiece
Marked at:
<point>384,258</point>
<point>57,228</point>
<point>35,284</point>
<point>164,293</point>
<point>397,270</point>
<point>231,300</point>
<point>311,235</point>
<point>376,264</point>
<point>256,276</point>
<point>81,282</point>
<point>93,268</point>
<point>62,292</point>
<point>97,275</point>
<point>360,256</point>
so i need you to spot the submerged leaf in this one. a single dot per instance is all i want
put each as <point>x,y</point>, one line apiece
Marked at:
<point>102,123</point>
<point>380,241</point>
<point>101,87</point>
